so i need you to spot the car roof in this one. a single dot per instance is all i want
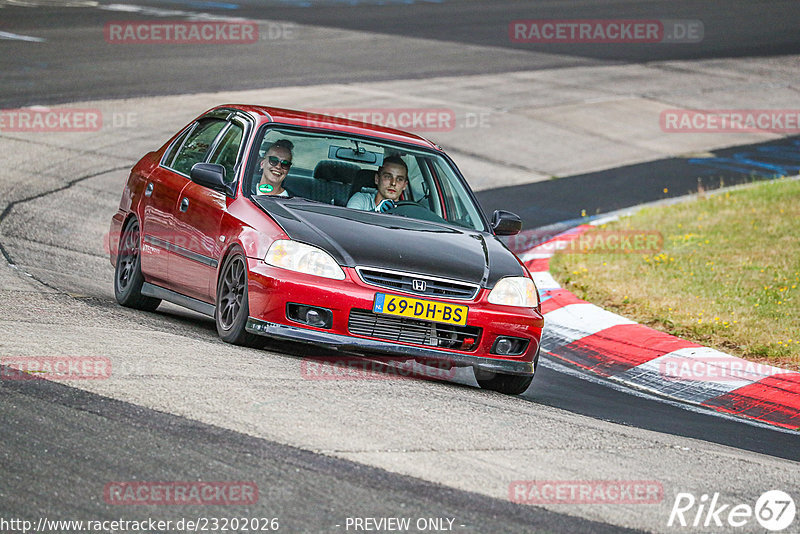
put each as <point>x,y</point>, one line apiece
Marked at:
<point>267,114</point>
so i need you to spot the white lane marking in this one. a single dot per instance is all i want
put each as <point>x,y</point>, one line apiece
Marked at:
<point>544,281</point>
<point>46,3</point>
<point>697,374</point>
<point>158,12</point>
<point>655,376</point>
<point>528,256</point>
<point>550,247</point>
<point>632,389</point>
<point>17,37</point>
<point>719,365</point>
<point>577,321</point>
<point>604,220</point>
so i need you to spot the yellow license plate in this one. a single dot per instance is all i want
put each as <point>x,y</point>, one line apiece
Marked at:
<point>427,310</point>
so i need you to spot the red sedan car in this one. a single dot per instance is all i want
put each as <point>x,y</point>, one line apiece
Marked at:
<point>243,216</point>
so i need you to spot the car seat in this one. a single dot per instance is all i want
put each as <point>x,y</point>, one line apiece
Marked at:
<point>333,181</point>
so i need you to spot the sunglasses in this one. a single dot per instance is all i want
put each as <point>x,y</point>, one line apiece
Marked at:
<point>275,160</point>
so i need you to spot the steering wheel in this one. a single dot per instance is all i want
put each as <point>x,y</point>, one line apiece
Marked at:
<point>409,208</point>
<point>398,203</point>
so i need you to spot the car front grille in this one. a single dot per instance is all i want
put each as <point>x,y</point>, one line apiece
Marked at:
<point>366,323</point>
<point>404,282</point>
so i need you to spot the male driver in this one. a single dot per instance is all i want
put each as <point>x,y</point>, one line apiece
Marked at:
<point>391,180</point>
<point>274,168</point>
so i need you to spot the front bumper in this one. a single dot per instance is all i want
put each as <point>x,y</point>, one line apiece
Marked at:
<point>353,344</point>
<point>271,289</point>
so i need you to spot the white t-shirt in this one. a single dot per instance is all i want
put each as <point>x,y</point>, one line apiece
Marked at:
<point>362,201</point>
<point>283,193</point>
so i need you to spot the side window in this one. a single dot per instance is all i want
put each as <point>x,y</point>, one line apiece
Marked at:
<point>425,185</point>
<point>169,157</point>
<point>196,146</point>
<point>227,151</point>
<point>415,190</point>
<point>458,211</point>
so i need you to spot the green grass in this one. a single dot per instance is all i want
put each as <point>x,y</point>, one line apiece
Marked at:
<point>727,276</point>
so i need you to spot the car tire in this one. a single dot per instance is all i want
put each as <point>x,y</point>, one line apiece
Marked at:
<point>506,384</point>
<point>128,278</point>
<point>502,383</point>
<point>232,307</point>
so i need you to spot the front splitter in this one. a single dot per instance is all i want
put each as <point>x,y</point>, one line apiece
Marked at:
<point>363,345</point>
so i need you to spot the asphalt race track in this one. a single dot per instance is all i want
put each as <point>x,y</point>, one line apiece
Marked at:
<point>553,201</point>
<point>291,482</point>
<point>77,64</point>
<point>183,406</point>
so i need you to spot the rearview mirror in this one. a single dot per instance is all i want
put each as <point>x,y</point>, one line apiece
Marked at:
<point>211,175</point>
<point>360,154</point>
<point>506,223</point>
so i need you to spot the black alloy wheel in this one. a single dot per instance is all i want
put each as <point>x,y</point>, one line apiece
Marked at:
<point>128,278</point>
<point>233,308</point>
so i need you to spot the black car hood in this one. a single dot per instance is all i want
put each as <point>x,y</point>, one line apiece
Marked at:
<point>368,239</point>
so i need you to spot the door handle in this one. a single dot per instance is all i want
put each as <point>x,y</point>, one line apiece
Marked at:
<point>184,204</point>
<point>148,190</point>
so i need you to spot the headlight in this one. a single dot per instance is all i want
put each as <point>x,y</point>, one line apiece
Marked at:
<point>515,291</point>
<point>303,258</point>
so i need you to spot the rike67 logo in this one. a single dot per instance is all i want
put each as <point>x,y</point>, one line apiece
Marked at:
<point>774,510</point>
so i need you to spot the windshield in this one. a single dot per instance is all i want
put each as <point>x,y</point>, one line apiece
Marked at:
<point>344,170</point>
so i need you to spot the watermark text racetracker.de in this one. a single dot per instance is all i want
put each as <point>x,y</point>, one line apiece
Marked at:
<point>784,121</point>
<point>713,369</point>
<point>586,491</point>
<point>196,32</point>
<point>354,368</point>
<point>605,31</point>
<point>594,242</point>
<point>614,242</point>
<point>55,367</point>
<point>180,493</point>
<point>42,119</point>
<point>181,32</point>
<point>413,119</point>
<point>150,524</point>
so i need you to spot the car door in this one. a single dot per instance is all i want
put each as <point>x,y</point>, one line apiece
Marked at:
<point>198,218</point>
<point>160,239</point>
<point>161,192</point>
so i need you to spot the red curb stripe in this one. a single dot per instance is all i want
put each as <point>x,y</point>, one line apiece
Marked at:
<point>775,400</point>
<point>558,298</point>
<point>549,246</point>
<point>565,237</point>
<point>578,230</point>
<point>619,348</point>
<point>564,358</point>
<point>570,235</point>
<point>540,265</point>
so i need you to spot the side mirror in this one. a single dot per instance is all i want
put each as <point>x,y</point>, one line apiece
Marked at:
<point>211,175</point>
<point>506,223</point>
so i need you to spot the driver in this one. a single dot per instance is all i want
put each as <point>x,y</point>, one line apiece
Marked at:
<point>391,179</point>
<point>274,168</point>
